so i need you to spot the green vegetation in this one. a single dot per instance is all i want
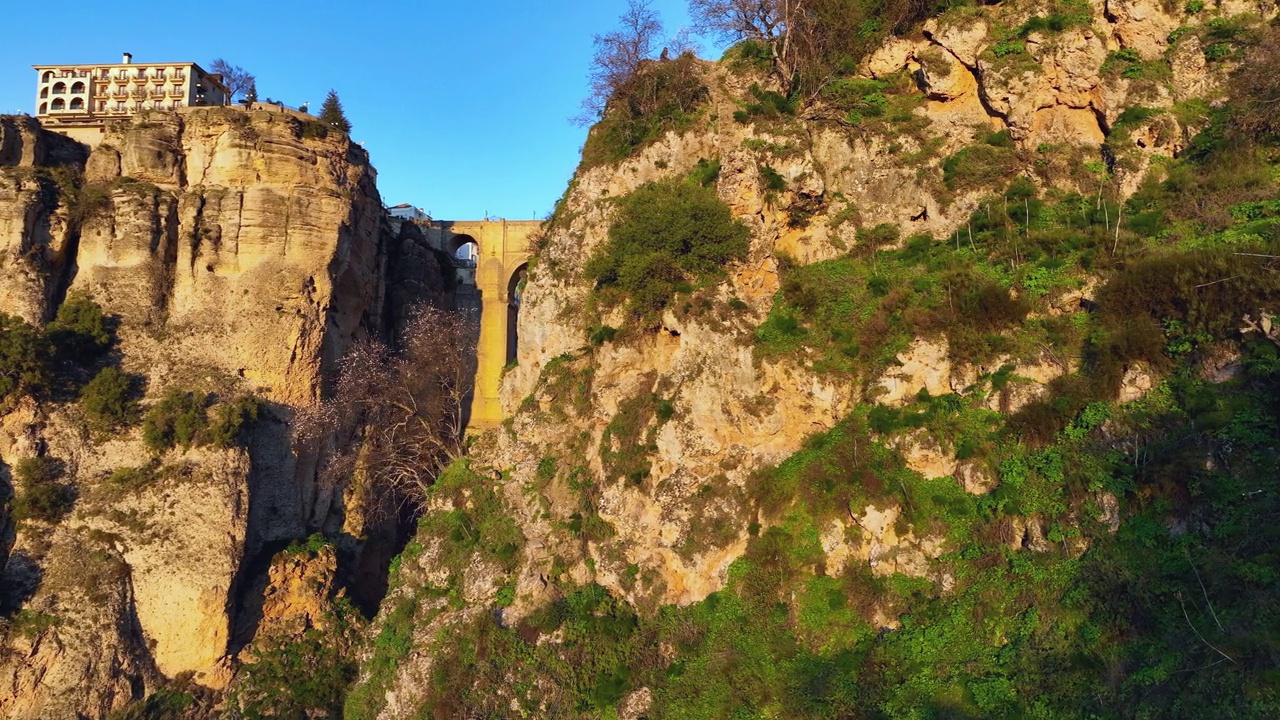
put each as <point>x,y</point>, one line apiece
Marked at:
<point>27,623</point>
<point>474,529</point>
<point>109,400</point>
<point>164,704</point>
<point>659,98</point>
<point>303,677</point>
<point>24,357</point>
<point>765,104</point>
<point>331,113</point>
<point>41,496</point>
<point>666,238</point>
<point>176,420</point>
<point>80,332</point>
<point>180,419</point>
<point>35,361</point>
<point>983,165</point>
<point>230,419</point>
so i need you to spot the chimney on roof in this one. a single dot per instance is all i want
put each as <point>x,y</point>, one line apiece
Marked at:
<point>128,58</point>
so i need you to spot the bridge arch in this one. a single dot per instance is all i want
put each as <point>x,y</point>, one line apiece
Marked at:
<point>515,295</point>
<point>490,285</point>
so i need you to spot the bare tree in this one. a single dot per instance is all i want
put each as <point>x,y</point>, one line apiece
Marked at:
<point>618,56</point>
<point>236,79</point>
<point>395,418</point>
<point>765,21</point>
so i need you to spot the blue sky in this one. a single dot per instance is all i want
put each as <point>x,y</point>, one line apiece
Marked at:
<point>464,108</point>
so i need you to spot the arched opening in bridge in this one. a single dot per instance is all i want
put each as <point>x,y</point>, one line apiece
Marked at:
<point>465,252</point>
<point>515,294</point>
<point>468,251</point>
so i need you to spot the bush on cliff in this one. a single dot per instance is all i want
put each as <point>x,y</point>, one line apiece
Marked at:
<point>109,401</point>
<point>42,497</point>
<point>667,236</point>
<point>176,420</point>
<point>24,353</point>
<point>80,332</point>
<point>661,96</point>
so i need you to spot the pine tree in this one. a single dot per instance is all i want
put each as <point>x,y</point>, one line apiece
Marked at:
<point>331,113</point>
<point>251,94</point>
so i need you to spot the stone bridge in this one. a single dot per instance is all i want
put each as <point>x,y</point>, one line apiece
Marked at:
<point>493,288</point>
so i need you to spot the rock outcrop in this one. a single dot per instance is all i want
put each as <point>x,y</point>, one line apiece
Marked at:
<point>240,253</point>
<point>686,391</point>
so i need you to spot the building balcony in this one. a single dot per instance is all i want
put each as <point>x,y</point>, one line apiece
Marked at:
<point>177,92</point>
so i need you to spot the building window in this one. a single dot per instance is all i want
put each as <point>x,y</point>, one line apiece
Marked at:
<point>48,75</point>
<point>77,103</point>
<point>59,104</point>
<point>119,106</point>
<point>102,106</point>
<point>60,88</point>
<point>44,92</point>
<point>77,88</point>
<point>44,108</point>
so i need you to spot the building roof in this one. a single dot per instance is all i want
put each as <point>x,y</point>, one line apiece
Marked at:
<point>123,65</point>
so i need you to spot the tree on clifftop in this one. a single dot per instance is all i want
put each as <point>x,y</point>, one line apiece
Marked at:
<point>331,113</point>
<point>618,56</point>
<point>236,79</point>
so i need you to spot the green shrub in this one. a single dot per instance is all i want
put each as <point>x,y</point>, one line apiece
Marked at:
<point>231,420</point>
<point>314,129</point>
<point>665,237</point>
<point>600,335</point>
<point>773,182</point>
<point>661,97</point>
<point>163,704</point>
<point>177,419</point>
<point>108,400</point>
<point>27,623</point>
<point>24,356</point>
<point>705,172</point>
<point>767,104</point>
<point>133,479</point>
<point>42,497</point>
<point>982,165</point>
<point>80,332</point>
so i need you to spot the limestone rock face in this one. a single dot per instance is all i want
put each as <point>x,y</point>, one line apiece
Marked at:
<point>35,231</point>
<point>227,237</point>
<point>242,252</point>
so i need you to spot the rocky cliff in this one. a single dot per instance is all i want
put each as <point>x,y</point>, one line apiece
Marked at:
<point>236,254</point>
<point>750,434</point>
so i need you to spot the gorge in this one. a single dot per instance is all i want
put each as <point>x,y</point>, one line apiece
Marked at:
<point>943,390</point>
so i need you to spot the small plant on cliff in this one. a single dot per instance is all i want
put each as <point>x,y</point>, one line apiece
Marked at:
<point>667,236</point>
<point>24,353</point>
<point>176,420</point>
<point>108,400</point>
<point>231,419</point>
<point>80,332</point>
<point>42,497</point>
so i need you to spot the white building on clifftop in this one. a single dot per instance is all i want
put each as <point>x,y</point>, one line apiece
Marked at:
<point>77,100</point>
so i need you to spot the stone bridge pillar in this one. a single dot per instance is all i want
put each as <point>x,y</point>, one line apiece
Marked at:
<point>502,251</point>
